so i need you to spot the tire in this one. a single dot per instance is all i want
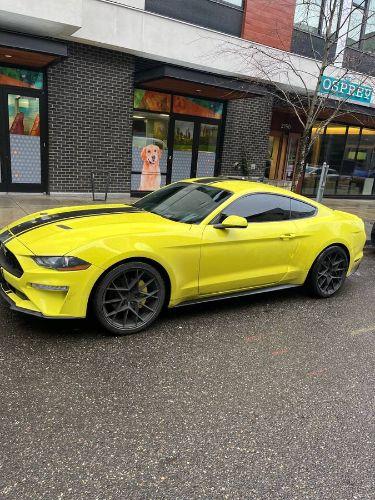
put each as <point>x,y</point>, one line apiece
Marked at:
<point>129,298</point>
<point>328,272</point>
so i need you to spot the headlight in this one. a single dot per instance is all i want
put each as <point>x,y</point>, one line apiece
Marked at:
<point>62,263</point>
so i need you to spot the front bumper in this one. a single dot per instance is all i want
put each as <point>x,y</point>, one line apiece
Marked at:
<point>19,292</point>
<point>16,303</point>
<point>49,305</point>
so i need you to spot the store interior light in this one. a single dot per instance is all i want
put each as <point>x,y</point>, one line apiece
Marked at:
<point>139,117</point>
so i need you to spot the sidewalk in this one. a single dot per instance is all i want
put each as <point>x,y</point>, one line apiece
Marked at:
<point>14,206</point>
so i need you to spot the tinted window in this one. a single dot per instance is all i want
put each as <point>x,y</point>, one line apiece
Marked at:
<point>184,202</point>
<point>300,210</point>
<point>260,208</point>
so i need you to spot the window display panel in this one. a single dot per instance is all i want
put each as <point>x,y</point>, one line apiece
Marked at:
<point>197,107</point>
<point>149,151</point>
<point>152,101</point>
<point>18,77</point>
<point>24,138</point>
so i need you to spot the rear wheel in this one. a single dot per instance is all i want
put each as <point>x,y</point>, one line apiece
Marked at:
<point>328,272</point>
<point>129,298</point>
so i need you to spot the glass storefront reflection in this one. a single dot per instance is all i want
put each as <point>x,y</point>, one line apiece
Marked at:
<point>350,154</point>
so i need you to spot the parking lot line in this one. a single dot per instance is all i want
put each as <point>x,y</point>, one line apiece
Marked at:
<point>360,331</point>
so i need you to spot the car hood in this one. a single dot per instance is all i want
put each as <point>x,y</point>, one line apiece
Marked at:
<point>60,230</point>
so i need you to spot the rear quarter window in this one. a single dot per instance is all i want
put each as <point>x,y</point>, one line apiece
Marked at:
<point>301,210</point>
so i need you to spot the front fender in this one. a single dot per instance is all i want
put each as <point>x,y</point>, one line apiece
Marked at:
<point>181,264</point>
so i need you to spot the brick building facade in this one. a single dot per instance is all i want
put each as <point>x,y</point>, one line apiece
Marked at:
<point>92,130</point>
<point>141,93</point>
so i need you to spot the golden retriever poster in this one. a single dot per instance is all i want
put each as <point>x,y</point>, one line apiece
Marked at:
<point>150,177</point>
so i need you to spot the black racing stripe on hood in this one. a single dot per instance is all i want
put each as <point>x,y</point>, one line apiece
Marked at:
<point>5,236</point>
<point>47,219</point>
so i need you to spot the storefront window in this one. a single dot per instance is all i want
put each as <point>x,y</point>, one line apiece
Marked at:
<point>152,101</point>
<point>364,171</point>
<point>167,146</point>
<point>150,151</point>
<point>197,107</point>
<point>350,154</point>
<point>18,77</point>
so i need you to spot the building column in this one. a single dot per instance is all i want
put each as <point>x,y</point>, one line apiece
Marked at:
<point>246,135</point>
<point>90,106</point>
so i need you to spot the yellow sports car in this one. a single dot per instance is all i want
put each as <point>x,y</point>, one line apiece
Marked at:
<point>196,240</point>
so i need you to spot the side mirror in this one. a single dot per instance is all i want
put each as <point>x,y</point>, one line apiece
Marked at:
<point>232,222</point>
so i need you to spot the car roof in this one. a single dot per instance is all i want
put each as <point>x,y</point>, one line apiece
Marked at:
<point>238,185</point>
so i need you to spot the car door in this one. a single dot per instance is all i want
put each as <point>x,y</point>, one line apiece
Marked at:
<point>258,255</point>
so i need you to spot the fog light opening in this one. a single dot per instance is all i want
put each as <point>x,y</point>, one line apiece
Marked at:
<point>49,288</point>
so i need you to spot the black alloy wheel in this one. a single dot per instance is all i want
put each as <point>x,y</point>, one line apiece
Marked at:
<point>129,298</point>
<point>328,272</point>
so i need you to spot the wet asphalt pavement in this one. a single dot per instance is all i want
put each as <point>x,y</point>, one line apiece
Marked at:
<point>265,397</point>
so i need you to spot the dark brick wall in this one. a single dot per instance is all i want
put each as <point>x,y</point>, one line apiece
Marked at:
<point>247,133</point>
<point>90,103</point>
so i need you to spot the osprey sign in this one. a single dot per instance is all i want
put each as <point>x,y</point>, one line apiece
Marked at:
<point>346,89</point>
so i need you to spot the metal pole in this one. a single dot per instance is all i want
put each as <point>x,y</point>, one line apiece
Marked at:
<point>322,182</point>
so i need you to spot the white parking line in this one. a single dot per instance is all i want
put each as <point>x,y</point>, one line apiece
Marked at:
<point>360,331</point>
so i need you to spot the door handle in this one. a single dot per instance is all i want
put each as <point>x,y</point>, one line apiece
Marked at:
<point>288,236</point>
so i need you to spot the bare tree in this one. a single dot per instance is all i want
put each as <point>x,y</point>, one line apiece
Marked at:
<point>299,85</point>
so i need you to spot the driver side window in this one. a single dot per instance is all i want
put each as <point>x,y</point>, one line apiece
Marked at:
<point>259,208</point>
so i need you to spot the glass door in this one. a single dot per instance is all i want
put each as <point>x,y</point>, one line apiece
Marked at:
<point>194,149</point>
<point>21,145</point>
<point>181,160</point>
<point>207,148</point>
<point>24,140</point>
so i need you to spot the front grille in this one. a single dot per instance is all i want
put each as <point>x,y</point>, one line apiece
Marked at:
<point>9,261</point>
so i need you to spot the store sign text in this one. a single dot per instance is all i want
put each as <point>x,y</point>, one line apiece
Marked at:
<point>345,89</point>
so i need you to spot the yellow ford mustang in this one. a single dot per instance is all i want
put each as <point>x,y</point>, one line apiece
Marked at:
<point>196,240</point>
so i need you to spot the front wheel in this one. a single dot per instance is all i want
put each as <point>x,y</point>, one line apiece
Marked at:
<point>328,272</point>
<point>129,298</point>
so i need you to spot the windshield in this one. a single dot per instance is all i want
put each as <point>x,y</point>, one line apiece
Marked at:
<point>184,202</point>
